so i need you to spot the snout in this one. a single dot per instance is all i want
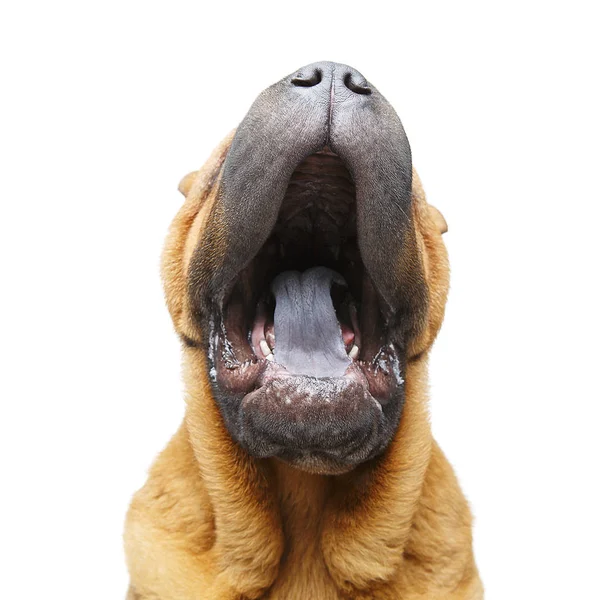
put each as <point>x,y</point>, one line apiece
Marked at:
<point>322,105</point>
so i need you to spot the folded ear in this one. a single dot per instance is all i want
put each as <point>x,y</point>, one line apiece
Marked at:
<point>438,218</point>
<point>199,188</point>
<point>186,183</point>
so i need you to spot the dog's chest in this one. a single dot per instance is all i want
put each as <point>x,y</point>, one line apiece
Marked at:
<point>303,573</point>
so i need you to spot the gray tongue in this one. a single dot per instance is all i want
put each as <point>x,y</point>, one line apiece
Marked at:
<point>308,338</point>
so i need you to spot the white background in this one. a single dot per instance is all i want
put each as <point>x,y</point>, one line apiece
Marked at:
<point>106,105</point>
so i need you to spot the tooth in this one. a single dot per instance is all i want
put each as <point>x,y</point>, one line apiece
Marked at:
<point>353,352</point>
<point>264,348</point>
<point>270,356</point>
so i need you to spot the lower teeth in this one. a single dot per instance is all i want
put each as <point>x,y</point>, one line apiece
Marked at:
<point>264,347</point>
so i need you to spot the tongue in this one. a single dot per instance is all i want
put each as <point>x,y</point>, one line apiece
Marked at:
<point>307,332</point>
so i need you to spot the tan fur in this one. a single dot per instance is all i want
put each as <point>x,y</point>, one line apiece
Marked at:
<point>213,523</point>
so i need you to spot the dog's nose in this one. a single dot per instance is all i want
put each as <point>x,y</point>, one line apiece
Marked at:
<point>353,80</point>
<point>328,72</point>
<point>308,76</point>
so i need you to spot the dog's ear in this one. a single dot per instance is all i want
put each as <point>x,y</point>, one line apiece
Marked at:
<point>438,218</point>
<point>199,188</point>
<point>186,183</point>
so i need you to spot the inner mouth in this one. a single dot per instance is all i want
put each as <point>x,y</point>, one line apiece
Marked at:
<point>305,306</point>
<point>315,337</point>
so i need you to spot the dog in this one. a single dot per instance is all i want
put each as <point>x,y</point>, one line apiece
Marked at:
<point>307,278</point>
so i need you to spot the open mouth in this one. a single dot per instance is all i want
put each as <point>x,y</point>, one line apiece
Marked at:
<point>307,283</point>
<point>302,339</point>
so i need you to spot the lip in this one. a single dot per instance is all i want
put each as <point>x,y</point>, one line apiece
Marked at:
<point>280,411</point>
<point>354,375</point>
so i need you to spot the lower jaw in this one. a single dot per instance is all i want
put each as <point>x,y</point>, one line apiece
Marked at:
<point>319,425</point>
<point>332,431</point>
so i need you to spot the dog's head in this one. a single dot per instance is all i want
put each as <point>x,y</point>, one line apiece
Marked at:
<point>305,270</point>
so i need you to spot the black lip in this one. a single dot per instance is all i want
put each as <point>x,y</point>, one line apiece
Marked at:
<point>271,426</point>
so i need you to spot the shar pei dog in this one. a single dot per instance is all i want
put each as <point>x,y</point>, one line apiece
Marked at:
<point>306,278</point>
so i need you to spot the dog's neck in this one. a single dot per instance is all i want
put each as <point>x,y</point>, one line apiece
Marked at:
<point>301,497</point>
<point>359,522</point>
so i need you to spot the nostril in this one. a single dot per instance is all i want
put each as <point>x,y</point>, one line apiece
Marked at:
<point>356,83</point>
<point>303,80</point>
